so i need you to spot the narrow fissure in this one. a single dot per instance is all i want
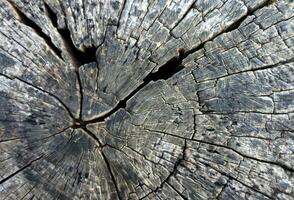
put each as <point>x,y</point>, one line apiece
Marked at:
<point>80,58</point>
<point>112,175</point>
<point>120,14</point>
<point>164,72</point>
<point>91,134</point>
<point>230,28</point>
<point>178,162</point>
<point>173,66</point>
<point>285,167</point>
<point>285,62</point>
<point>177,191</point>
<point>81,93</point>
<point>82,125</point>
<point>40,89</point>
<point>20,170</point>
<point>237,24</point>
<point>30,23</point>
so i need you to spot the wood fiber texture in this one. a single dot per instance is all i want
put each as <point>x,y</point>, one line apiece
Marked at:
<point>146,99</point>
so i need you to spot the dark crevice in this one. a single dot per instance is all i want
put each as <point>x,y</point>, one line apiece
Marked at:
<point>28,22</point>
<point>51,14</point>
<point>81,93</point>
<point>88,55</point>
<point>200,46</point>
<point>32,197</point>
<point>194,126</point>
<point>20,170</point>
<point>165,72</point>
<point>120,14</point>
<point>79,57</point>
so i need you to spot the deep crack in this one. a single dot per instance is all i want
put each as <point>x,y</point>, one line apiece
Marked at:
<point>172,66</point>
<point>88,55</point>
<point>81,94</point>
<point>30,23</point>
<point>79,57</point>
<point>164,72</point>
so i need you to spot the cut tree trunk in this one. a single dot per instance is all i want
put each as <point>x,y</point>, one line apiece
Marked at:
<point>137,99</point>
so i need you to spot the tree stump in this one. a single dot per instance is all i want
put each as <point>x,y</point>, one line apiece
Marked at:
<point>137,99</point>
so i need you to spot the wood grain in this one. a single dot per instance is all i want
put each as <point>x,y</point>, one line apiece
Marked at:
<point>137,99</point>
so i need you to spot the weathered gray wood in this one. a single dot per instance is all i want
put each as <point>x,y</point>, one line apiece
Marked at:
<point>137,99</point>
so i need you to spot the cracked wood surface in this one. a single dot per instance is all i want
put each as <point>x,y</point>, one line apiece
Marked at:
<point>137,99</point>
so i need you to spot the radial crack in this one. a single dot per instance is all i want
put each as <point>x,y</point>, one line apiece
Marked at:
<point>230,28</point>
<point>78,57</point>
<point>92,135</point>
<point>173,66</point>
<point>178,192</point>
<point>112,175</point>
<point>172,173</point>
<point>164,72</point>
<point>28,22</point>
<point>278,64</point>
<point>42,90</point>
<point>81,93</point>
<point>235,179</point>
<point>20,170</point>
<point>285,167</point>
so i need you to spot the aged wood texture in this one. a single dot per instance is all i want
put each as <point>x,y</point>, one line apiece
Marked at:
<point>146,99</point>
